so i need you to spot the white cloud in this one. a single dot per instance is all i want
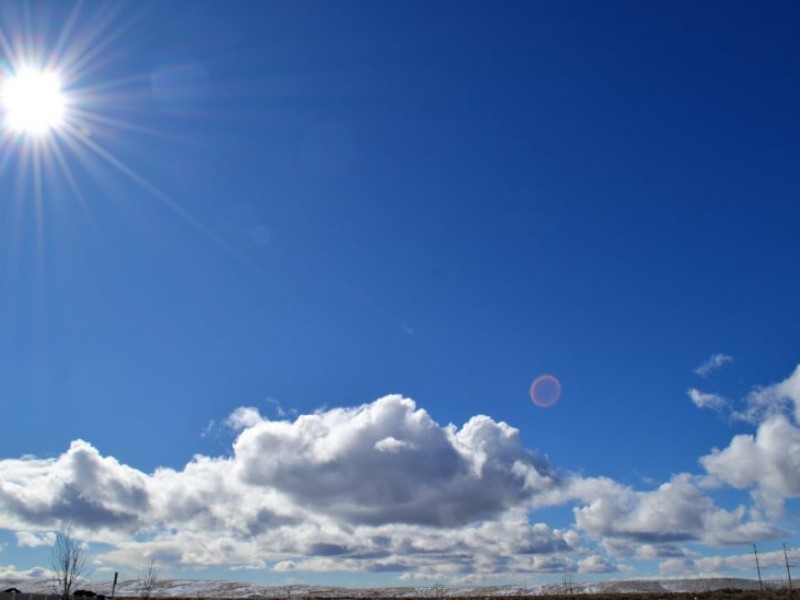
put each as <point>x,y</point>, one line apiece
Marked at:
<point>285,565</point>
<point>80,486</point>
<point>714,566</point>
<point>33,539</point>
<point>705,400</point>
<point>243,418</point>
<point>790,388</point>
<point>552,564</point>
<point>596,564</point>
<point>678,566</point>
<point>677,511</point>
<point>767,462</point>
<point>376,487</point>
<point>713,363</point>
<point>329,462</point>
<point>653,551</point>
<point>11,573</point>
<point>746,561</point>
<point>673,512</point>
<point>382,487</point>
<point>780,398</point>
<point>209,429</point>
<point>390,444</point>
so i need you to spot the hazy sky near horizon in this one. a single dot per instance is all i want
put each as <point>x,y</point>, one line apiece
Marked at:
<point>273,298</point>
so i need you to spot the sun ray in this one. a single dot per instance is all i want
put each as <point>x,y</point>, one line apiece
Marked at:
<point>174,206</point>
<point>78,138</point>
<point>38,206</point>
<point>65,33</point>
<point>66,171</point>
<point>91,117</point>
<point>91,56</point>
<point>96,106</point>
<point>6,46</point>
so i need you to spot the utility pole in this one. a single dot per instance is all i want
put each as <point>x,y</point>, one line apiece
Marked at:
<point>788,570</point>
<point>758,568</point>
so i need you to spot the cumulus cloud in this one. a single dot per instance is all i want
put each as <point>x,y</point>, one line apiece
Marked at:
<point>677,511</point>
<point>767,462</point>
<point>347,463</point>
<point>714,362</point>
<point>673,512</point>
<point>383,487</point>
<point>379,487</point>
<point>80,486</point>
<point>705,400</point>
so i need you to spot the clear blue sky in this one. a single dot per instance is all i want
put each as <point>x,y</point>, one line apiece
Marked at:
<point>304,207</point>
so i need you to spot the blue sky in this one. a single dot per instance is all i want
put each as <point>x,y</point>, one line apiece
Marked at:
<point>285,243</point>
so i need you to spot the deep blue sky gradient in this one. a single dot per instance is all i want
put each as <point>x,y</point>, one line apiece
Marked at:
<point>439,199</point>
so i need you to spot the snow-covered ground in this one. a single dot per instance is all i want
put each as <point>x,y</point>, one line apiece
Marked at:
<point>198,588</point>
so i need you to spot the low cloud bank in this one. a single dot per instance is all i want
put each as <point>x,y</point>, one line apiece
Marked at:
<point>382,487</point>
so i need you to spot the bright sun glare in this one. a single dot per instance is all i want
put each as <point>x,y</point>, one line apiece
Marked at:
<point>33,102</point>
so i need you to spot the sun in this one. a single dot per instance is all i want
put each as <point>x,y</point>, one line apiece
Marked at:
<point>33,102</point>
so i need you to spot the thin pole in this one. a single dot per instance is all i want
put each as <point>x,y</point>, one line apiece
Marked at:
<point>758,568</point>
<point>788,570</point>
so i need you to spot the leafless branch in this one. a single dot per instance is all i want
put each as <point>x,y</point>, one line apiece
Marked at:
<point>68,561</point>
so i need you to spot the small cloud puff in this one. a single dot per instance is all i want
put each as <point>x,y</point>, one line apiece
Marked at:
<point>243,418</point>
<point>706,400</point>
<point>34,539</point>
<point>596,564</point>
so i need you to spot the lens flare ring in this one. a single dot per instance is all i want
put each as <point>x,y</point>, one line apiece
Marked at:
<point>545,391</point>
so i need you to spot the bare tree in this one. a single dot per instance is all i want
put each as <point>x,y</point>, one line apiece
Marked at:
<point>147,579</point>
<point>68,562</point>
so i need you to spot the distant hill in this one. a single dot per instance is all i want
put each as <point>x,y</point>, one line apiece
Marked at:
<point>200,588</point>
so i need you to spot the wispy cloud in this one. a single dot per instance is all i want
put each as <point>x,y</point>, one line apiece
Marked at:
<point>713,363</point>
<point>211,428</point>
<point>706,400</point>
